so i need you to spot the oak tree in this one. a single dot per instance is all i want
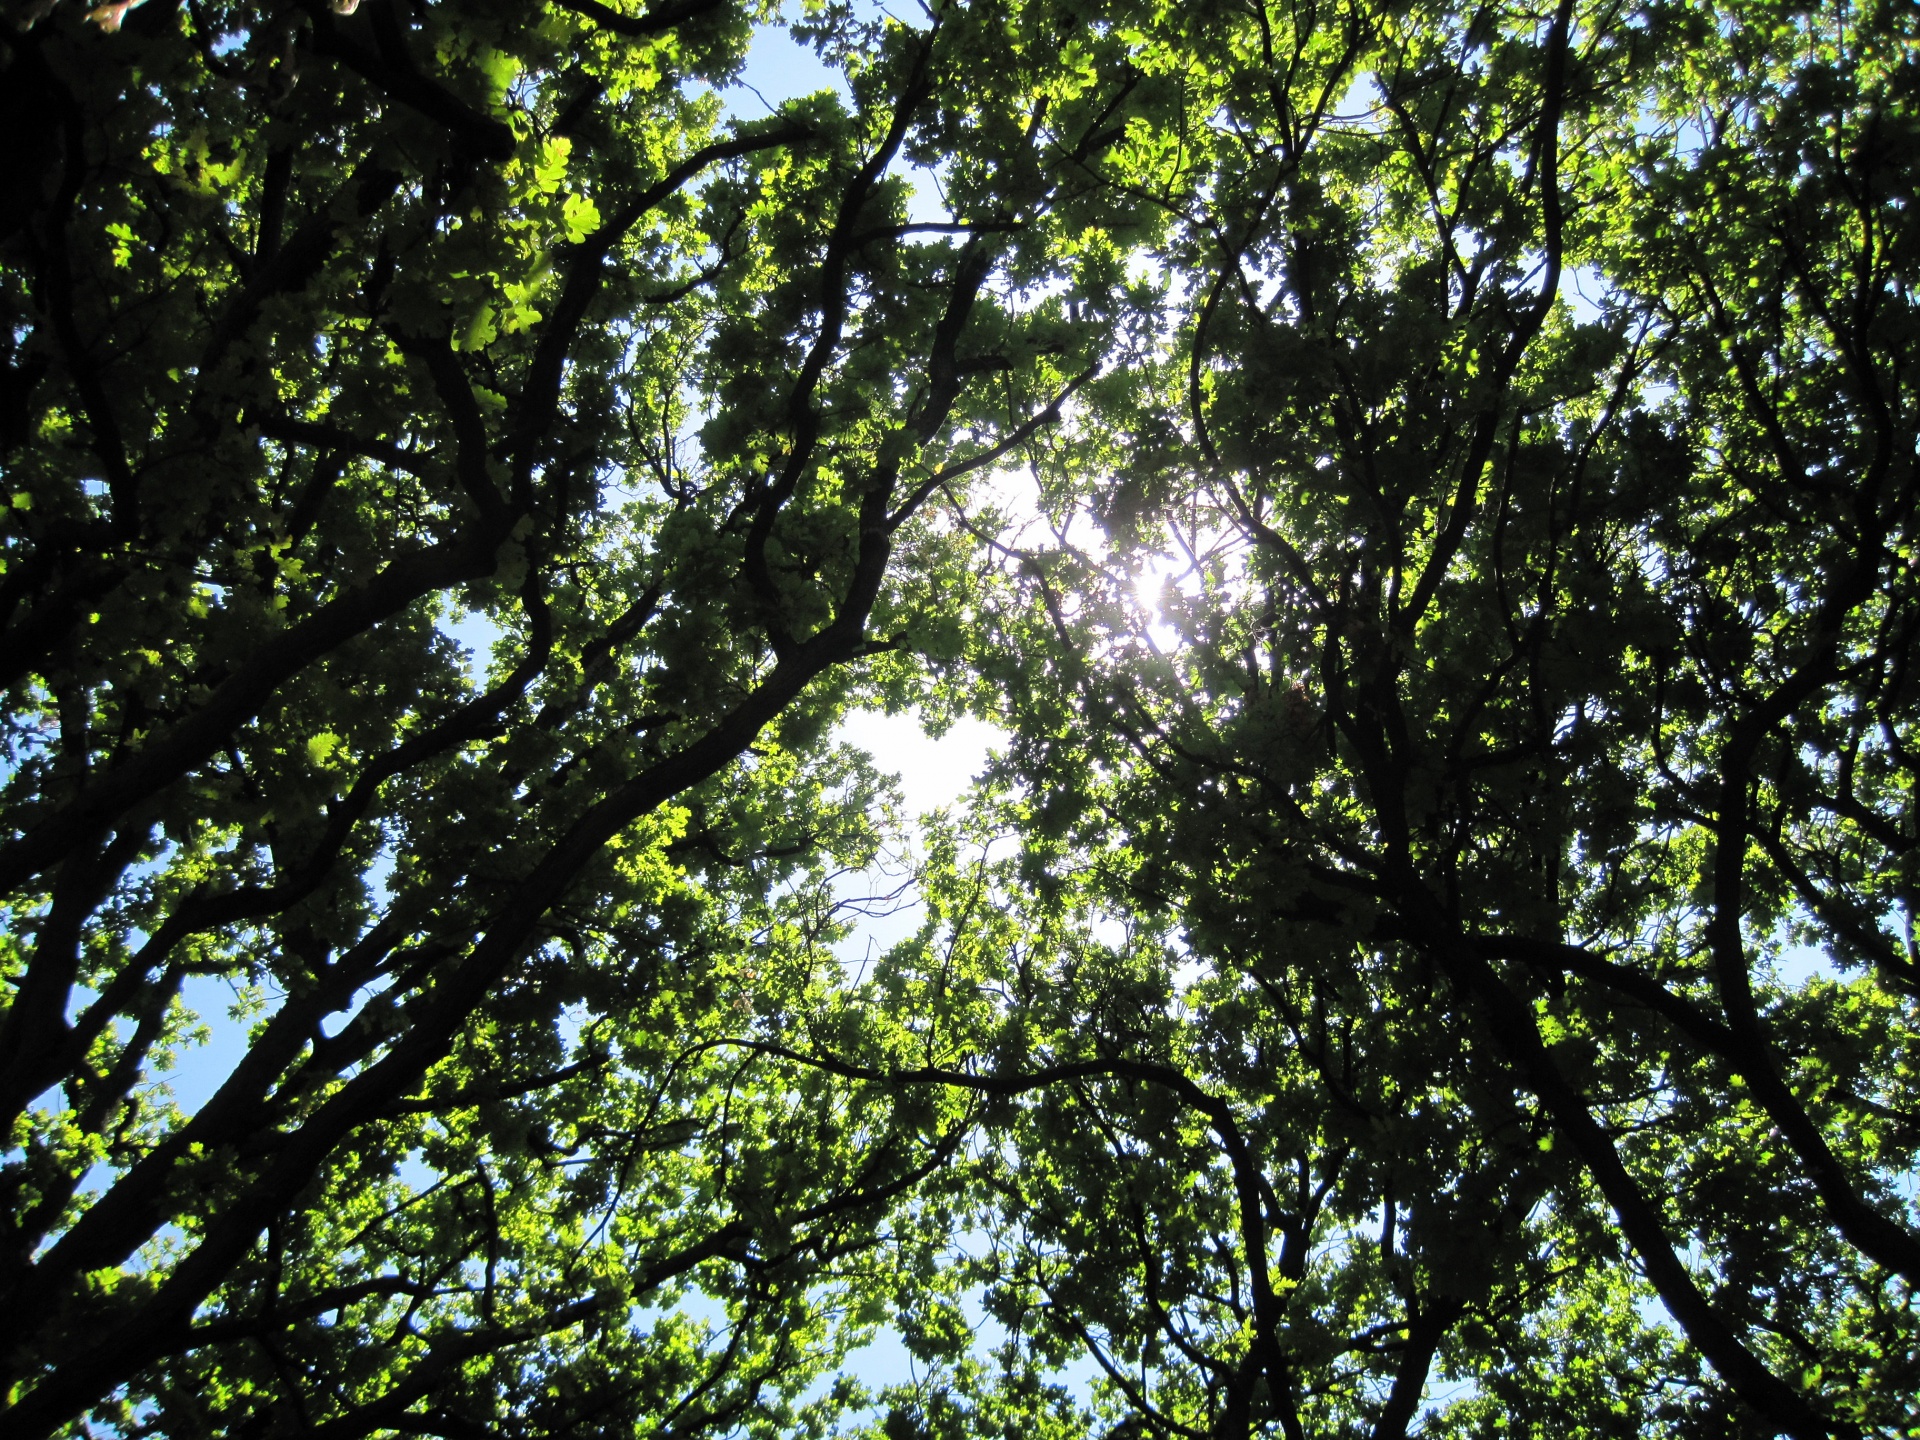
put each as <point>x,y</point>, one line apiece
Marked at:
<point>1460,969</point>
<point>331,328</point>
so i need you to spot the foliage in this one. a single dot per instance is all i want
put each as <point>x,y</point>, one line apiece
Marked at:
<point>1437,951</point>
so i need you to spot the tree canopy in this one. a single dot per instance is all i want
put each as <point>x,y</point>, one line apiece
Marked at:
<point>1428,491</point>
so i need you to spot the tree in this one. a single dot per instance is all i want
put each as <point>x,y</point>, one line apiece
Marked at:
<point>1453,690</point>
<point>331,325</point>
<point>1464,668</point>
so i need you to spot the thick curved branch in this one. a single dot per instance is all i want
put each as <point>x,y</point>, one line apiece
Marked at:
<point>637,27</point>
<point>391,71</point>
